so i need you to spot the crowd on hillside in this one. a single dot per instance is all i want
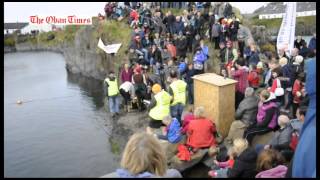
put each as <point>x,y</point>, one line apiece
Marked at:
<point>276,95</point>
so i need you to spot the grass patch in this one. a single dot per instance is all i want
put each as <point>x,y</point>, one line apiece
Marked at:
<point>115,147</point>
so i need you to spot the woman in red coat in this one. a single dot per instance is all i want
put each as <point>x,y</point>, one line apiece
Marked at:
<point>200,132</point>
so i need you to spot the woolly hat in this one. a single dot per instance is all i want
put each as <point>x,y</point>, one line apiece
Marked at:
<point>156,88</point>
<point>298,59</point>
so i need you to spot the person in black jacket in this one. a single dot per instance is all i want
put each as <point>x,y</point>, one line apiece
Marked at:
<point>244,163</point>
<point>190,72</point>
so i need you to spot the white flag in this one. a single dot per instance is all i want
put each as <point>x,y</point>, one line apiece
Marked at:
<point>286,34</point>
<point>113,48</point>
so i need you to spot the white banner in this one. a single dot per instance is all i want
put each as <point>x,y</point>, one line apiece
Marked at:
<point>286,34</point>
<point>113,48</point>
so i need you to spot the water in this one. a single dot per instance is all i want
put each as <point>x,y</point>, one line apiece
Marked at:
<point>60,133</point>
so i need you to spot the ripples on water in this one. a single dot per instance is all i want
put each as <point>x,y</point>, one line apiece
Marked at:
<point>62,137</point>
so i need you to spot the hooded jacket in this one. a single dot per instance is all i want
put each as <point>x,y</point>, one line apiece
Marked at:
<point>304,162</point>
<point>247,110</point>
<point>174,134</point>
<point>244,165</point>
<point>267,113</point>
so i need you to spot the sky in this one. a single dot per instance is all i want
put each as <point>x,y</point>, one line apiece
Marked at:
<point>21,11</point>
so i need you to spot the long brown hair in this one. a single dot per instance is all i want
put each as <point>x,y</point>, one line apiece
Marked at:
<point>268,159</point>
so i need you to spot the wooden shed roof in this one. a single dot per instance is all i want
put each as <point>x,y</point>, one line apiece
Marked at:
<point>214,79</point>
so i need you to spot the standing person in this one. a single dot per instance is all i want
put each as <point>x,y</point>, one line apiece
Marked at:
<point>276,83</point>
<point>215,31</point>
<point>230,56</point>
<point>298,92</point>
<point>254,55</point>
<point>189,31</point>
<point>313,43</point>
<point>112,94</point>
<point>298,42</point>
<point>177,90</point>
<point>198,61</point>
<point>240,75</point>
<point>304,160</point>
<point>181,45</point>
<point>143,157</point>
<point>211,23</point>
<point>159,107</point>
<point>139,86</point>
<point>126,73</point>
<point>190,73</point>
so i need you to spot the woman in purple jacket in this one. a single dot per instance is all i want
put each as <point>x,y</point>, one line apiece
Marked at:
<point>266,117</point>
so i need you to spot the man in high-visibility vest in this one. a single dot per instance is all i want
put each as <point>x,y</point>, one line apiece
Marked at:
<point>159,107</point>
<point>177,90</point>
<point>112,93</point>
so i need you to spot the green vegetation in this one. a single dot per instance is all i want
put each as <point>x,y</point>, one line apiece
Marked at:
<point>301,23</point>
<point>115,148</point>
<point>9,41</point>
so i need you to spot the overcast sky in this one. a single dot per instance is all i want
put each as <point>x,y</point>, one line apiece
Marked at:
<point>21,11</point>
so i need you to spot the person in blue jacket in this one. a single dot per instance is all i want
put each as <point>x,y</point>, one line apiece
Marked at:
<point>172,131</point>
<point>312,43</point>
<point>304,162</point>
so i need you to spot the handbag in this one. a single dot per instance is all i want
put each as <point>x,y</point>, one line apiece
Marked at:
<point>279,90</point>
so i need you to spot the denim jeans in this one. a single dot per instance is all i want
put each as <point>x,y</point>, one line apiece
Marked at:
<point>176,111</point>
<point>145,52</point>
<point>114,103</point>
<point>222,173</point>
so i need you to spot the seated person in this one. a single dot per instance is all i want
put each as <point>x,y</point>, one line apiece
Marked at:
<point>270,164</point>
<point>222,165</point>
<point>143,157</point>
<point>200,132</point>
<point>266,117</point>
<point>171,132</point>
<point>186,120</point>
<point>245,116</point>
<point>281,138</point>
<point>244,164</point>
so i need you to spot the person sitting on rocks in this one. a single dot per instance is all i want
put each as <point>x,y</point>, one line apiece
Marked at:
<point>218,166</point>
<point>200,132</point>
<point>187,119</point>
<point>244,163</point>
<point>266,117</point>
<point>245,116</point>
<point>171,132</point>
<point>270,164</point>
<point>281,138</point>
<point>143,157</point>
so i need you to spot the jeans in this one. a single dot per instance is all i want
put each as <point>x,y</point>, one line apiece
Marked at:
<point>114,103</point>
<point>222,173</point>
<point>176,111</point>
<point>145,52</point>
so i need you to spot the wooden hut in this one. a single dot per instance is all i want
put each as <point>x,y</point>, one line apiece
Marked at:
<point>217,95</point>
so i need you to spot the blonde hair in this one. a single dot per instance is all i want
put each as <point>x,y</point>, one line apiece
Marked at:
<point>283,61</point>
<point>199,112</point>
<point>167,119</point>
<point>143,153</point>
<point>268,159</point>
<point>239,145</point>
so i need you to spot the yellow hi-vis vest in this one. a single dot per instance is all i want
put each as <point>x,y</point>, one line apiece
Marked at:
<point>179,92</point>
<point>162,109</point>
<point>113,87</point>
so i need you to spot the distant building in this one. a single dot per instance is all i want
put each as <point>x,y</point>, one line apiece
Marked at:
<point>10,28</point>
<point>277,9</point>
